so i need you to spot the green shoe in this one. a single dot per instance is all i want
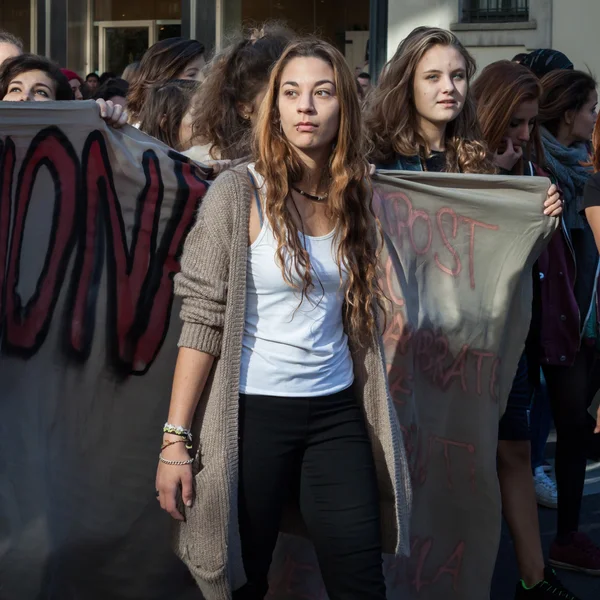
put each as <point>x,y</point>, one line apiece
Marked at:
<point>548,589</point>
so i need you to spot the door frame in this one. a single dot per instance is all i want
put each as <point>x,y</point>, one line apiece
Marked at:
<point>104,25</point>
<point>152,26</point>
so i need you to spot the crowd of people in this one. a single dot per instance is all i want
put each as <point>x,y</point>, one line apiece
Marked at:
<point>295,389</point>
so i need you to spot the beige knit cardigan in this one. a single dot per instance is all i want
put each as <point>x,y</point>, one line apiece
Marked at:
<point>212,285</point>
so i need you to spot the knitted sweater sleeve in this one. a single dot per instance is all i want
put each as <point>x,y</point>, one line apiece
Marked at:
<point>203,280</point>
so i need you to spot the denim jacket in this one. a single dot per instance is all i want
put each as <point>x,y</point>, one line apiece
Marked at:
<point>402,163</point>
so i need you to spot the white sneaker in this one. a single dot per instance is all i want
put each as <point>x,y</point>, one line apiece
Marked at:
<point>545,489</point>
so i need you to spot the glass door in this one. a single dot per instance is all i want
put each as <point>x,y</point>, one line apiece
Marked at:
<point>167,29</point>
<point>123,42</point>
<point>120,43</point>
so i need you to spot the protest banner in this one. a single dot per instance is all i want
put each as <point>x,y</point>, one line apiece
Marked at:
<point>92,221</point>
<point>457,268</point>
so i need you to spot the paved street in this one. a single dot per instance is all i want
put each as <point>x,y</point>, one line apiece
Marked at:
<point>587,588</point>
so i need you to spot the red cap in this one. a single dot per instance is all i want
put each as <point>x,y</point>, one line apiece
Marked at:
<point>71,75</point>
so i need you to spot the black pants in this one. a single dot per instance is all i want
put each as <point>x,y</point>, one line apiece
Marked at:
<point>319,450</point>
<point>571,390</point>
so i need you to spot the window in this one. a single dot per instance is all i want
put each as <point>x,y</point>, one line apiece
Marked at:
<point>484,11</point>
<point>15,17</point>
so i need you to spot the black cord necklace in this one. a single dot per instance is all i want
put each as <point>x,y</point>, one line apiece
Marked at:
<point>310,196</point>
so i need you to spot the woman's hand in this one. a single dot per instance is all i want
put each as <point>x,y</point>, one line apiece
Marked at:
<point>553,206</point>
<point>597,430</point>
<point>509,157</point>
<point>170,478</point>
<point>113,114</point>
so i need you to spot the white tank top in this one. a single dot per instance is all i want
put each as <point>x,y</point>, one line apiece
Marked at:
<point>292,349</point>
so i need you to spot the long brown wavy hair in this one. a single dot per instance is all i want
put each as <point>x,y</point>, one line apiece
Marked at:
<point>236,75</point>
<point>391,116</point>
<point>162,62</point>
<point>350,192</point>
<point>498,92</point>
<point>165,107</point>
<point>564,90</point>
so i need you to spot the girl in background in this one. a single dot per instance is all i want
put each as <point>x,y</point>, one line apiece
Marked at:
<point>29,77</point>
<point>167,116</point>
<point>507,96</point>
<point>32,78</point>
<point>235,85</point>
<point>421,116</point>
<point>568,113</point>
<point>173,58</point>
<point>75,82</point>
<point>541,62</point>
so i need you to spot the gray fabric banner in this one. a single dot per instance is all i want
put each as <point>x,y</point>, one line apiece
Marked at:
<point>91,224</point>
<point>457,269</point>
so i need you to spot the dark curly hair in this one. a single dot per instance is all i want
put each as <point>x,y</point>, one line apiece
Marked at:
<point>112,88</point>
<point>13,67</point>
<point>236,76</point>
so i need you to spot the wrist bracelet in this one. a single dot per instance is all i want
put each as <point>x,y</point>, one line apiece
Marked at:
<point>177,430</point>
<point>175,462</point>
<point>167,444</point>
<point>180,431</point>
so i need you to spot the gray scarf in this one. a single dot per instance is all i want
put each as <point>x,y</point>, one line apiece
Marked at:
<point>565,163</point>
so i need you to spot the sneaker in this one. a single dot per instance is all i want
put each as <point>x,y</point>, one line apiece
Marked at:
<point>545,489</point>
<point>580,554</point>
<point>550,587</point>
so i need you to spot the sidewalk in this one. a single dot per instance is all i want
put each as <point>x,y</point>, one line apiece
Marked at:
<point>587,588</point>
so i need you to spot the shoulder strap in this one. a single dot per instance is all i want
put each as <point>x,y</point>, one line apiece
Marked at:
<point>256,197</point>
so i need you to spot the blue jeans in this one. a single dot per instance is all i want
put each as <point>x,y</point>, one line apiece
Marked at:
<point>541,423</point>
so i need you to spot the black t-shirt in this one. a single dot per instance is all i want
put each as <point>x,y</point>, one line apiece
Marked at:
<point>591,193</point>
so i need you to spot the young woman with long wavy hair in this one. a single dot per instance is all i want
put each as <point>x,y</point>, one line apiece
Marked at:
<point>421,116</point>
<point>568,114</point>
<point>280,385</point>
<point>507,96</point>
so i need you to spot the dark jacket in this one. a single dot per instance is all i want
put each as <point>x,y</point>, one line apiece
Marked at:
<point>567,275</point>
<point>561,321</point>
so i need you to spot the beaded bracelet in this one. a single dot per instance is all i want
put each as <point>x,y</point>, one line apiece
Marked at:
<point>175,462</point>
<point>177,430</point>
<point>181,432</point>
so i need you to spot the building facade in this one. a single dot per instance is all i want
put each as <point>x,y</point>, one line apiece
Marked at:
<point>499,29</point>
<point>105,35</point>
